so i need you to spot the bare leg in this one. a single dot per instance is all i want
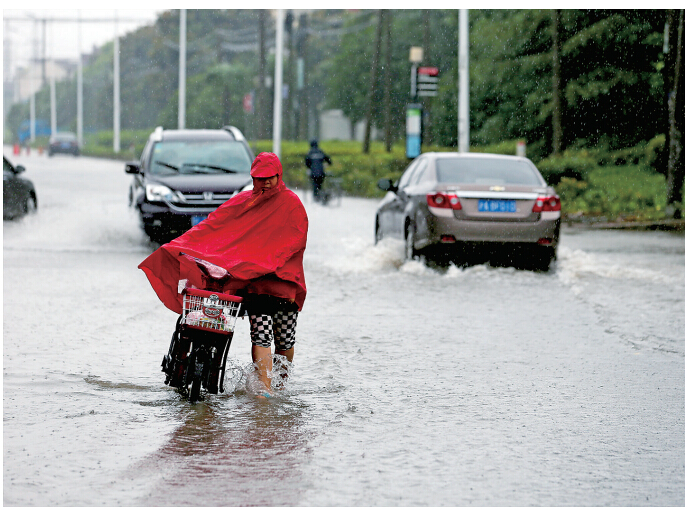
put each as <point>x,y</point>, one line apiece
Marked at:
<point>263,359</point>
<point>289,354</point>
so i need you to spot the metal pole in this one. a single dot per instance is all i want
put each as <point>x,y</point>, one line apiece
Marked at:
<point>277,91</point>
<point>53,105</point>
<point>53,108</point>
<point>116,93</point>
<point>80,90</point>
<point>32,116</point>
<point>463,103</point>
<point>181,112</point>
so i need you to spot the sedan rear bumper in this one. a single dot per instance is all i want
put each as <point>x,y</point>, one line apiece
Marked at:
<point>445,230</point>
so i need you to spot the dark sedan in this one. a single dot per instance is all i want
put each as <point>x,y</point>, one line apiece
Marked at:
<point>453,203</point>
<point>63,143</point>
<point>18,194</point>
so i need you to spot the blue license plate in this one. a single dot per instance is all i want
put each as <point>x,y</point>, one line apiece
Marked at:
<point>497,206</point>
<point>197,218</point>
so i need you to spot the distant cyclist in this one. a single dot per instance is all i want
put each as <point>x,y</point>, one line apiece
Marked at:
<point>316,160</point>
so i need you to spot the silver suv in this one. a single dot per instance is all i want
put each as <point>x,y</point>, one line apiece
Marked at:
<point>184,175</point>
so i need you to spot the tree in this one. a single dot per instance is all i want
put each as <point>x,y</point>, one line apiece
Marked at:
<point>674,139</point>
<point>373,80</point>
<point>557,84</point>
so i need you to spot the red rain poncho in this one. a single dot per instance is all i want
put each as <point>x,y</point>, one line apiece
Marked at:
<point>258,236</point>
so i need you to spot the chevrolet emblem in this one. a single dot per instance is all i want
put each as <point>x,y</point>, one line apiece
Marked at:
<point>497,188</point>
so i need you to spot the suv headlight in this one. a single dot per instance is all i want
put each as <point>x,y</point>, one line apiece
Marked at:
<point>160,193</point>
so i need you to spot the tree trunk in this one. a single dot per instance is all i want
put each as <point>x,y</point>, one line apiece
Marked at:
<point>388,81</point>
<point>374,79</point>
<point>302,111</point>
<point>288,114</point>
<point>674,141</point>
<point>261,109</point>
<point>557,84</point>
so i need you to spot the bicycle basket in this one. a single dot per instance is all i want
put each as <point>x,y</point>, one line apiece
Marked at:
<point>212,311</point>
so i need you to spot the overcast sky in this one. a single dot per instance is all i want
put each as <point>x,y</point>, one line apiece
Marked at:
<point>22,38</point>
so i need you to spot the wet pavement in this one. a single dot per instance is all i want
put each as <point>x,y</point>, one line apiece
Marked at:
<point>412,386</point>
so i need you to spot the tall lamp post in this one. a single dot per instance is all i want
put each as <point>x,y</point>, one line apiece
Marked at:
<point>463,103</point>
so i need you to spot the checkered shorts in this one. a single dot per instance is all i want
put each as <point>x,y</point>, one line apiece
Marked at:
<point>280,327</point>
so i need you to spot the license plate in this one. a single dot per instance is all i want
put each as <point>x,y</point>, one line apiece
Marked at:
<point>197,218</point>
<point>497,206</point>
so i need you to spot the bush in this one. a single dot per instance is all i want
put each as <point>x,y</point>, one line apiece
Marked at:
<point>571,164</point>
<point>629,192</point>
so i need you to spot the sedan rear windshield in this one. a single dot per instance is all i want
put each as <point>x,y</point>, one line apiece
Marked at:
<point>486,171</point>
<point>200,157</point>
<point>64,137</point>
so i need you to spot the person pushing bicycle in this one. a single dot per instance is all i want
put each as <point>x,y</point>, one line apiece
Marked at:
<point>315,160</point>
<point>259,237</point>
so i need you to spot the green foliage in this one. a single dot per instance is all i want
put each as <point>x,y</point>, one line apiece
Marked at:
<point>570,164</point>
<point>628,192</point>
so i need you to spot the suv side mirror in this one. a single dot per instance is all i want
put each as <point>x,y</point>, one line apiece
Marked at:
<point>387,185</point>
<point>19,169</point>
<point>132,168</point>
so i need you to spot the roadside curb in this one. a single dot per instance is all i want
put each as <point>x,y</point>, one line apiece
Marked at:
<point>664,225</point>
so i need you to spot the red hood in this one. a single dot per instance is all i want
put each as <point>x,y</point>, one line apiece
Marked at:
<point>251,235</point>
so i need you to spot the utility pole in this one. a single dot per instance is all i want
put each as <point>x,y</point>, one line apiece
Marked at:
<point>116,92</point>
<point>182,92</point>
<point>80,89</point>
<point>53,107</point>
<point>32,117</point>
<point>463,93</point>
<point>277,88</point>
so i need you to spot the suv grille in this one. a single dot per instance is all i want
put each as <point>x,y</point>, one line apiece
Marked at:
<point>206,199</point>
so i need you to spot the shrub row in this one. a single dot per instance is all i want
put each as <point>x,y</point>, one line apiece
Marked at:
<point>590,181</point>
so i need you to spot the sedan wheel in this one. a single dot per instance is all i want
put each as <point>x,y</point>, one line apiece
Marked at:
<point>379,234</point>
<point>410,253</point>
<point>30,205</point>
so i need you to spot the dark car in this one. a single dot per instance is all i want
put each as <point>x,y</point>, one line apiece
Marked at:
<point>184,175</point>
<point>18,194</point>
<point>451,204</point>
<point>63,143</point>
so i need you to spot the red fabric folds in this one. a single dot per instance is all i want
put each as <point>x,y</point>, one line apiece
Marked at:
<point>258,236</point>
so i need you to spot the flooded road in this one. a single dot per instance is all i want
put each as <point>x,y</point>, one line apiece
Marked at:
<point>411,387</point>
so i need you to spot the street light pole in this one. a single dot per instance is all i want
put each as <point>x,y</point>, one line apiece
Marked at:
<point>116,93</point>
<point>463,99</point>
<point>181,111</point>
<point>80,90</point>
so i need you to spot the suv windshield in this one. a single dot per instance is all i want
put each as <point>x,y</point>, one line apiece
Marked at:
<point>199,157</point>
<point>486,171</point>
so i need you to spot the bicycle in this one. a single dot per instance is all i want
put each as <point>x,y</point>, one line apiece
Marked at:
<point>200,344</point>
<point>331,192</point>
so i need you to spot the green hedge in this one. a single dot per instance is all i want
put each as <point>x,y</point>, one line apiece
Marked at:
<point>590,181</point>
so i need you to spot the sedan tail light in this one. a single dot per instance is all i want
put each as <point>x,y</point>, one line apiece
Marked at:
<point>544,204</point>
<point>443,201</point>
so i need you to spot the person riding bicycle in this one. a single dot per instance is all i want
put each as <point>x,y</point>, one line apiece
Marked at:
<point>259,237</point>
<point>315,160</point>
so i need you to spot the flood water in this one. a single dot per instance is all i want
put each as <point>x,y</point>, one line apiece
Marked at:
<point>411,386</point>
